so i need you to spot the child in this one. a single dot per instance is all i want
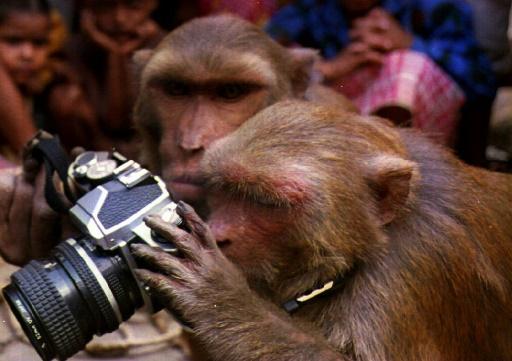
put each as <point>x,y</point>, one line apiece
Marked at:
<point>111,31</point>
<point>37,91</point>
<point>412,61</point>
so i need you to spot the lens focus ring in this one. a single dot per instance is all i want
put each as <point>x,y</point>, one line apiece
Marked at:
<point>87,277</point>
<point>55,315</point>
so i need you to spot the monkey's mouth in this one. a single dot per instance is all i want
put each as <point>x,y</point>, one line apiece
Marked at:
<point>187,188</point>
<point>189,179</point>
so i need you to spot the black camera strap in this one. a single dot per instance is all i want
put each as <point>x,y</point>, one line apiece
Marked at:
<point>47,149</point>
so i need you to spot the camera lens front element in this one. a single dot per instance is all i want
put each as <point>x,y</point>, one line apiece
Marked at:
<point>62,301</point>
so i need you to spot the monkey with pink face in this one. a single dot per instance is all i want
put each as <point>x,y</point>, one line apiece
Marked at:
<point>392,248</point>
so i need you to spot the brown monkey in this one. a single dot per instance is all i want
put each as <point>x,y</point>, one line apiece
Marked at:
<point>203,81</point>
<point>419,245</point>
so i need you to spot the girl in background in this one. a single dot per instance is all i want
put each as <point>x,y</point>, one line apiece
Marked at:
<point>37,90</point>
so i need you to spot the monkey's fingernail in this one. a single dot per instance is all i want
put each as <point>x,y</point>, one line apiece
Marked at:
<point>151,218</point>
<point>134,247</point>
<point>184,207</point>
<point>181,207</point>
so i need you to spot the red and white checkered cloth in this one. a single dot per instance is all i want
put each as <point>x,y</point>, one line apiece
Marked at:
<point>411,80</point>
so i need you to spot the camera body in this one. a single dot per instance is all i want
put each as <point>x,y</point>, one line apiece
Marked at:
<point>88,286</point>
<point>118,194</point>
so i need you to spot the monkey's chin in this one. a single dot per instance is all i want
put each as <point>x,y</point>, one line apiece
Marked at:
<point>190,193</point>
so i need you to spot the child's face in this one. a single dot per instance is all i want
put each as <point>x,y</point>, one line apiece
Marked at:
<point>24,47</point>
<point>358,6</point>
<point>120,18</point>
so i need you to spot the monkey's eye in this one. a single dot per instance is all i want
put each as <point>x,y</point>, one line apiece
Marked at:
<point>175,88</point>
<point>231,92</point>
<point>268,202</point>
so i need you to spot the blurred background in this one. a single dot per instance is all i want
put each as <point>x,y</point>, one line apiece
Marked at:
<point>65,66</point>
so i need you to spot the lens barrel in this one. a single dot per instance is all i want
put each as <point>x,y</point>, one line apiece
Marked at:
<point>62,301</point>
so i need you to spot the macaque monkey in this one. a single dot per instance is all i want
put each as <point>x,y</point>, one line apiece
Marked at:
<point>204,79</point>
<point>418,245</point>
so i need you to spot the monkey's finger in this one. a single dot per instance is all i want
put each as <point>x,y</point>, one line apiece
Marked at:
<point>196,225</point>
<point>186,243</point>
<point>160,286</point>
<point>160,261</point>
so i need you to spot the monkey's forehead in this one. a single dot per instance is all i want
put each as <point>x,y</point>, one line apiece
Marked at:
<point>226,64</point>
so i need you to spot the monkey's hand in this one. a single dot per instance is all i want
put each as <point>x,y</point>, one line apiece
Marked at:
<point>213,296</point>
<point>200,278</point>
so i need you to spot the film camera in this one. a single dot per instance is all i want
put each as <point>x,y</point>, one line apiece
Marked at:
<point>87,285</point>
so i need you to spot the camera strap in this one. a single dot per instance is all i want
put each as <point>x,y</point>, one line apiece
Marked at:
<point>47,149</point>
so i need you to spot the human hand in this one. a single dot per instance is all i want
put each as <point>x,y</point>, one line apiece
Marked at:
<point>144,32</point>
<point>28,227</point>
<point>381,32</point>
<point>5,77</point>
<point>353,56</point>
<point>197,280</point>
<point>88,24</point>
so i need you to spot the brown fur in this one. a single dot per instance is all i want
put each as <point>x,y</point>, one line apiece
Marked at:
<point>205,53</point>
<point>425,241</point>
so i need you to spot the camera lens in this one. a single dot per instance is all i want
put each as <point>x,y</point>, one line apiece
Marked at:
<point>62,301</point>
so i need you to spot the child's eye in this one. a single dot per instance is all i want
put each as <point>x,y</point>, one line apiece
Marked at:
<point>13,40</point>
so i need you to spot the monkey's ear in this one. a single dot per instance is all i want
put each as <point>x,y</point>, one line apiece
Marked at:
<point>303,75</point>
<point>391,179</point>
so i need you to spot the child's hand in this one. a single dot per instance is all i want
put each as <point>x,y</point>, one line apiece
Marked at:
<point>4,75</point>
<point>142,34</point>
<point>381,32</point>
<point>355,55</point>
<point>146,31</point>
<point>88,23</point>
